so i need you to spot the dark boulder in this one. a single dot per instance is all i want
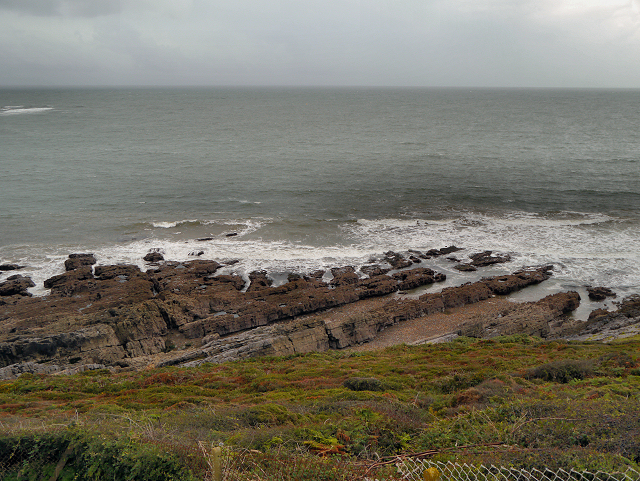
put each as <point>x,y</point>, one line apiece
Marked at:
<point>121,271</point>
<point>70,282</point>
<point>153,256</point>
<point>598,314</point>
<point>68,278</point>
<point>486,258</point>
<point>465,268</point>
<point>376,286</point>
<point>315,275</point>
<point>374,270</point>
<point>344,276</point>
<point>600,293</point>
<point>448,250</point>
<point>397,261</point>
<point>417,277</point>
<point>16,285</point>
<point>10,267</point>
<point>503,285</point>
<point>258,280</point>
<point>440,252</point>
<point>419,254</point>
<point>79,260</point>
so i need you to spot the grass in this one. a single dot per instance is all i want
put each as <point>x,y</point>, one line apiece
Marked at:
<point>546,404</point>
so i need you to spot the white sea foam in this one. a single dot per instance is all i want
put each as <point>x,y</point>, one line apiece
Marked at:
<point>584,249</point>
<point>168,225</point>
<point>19,109</point>
<point>248,226</point>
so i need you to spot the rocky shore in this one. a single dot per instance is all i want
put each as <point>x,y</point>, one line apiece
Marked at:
<point>186,313</point>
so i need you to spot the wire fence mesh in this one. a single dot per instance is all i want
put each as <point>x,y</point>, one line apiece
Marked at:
<point>254,466</point>
<point>414,470</point>
<point>245,465</point>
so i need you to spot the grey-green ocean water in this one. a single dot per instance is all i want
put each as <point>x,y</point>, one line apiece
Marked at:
<point>312,178</point>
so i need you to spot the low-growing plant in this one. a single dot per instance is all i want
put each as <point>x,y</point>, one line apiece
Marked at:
<point>266,414</point>
<point>459,380</point>
<point>364,384</point>
<point>433,397</point>
<point>90,457</point>
<point>562,371</point>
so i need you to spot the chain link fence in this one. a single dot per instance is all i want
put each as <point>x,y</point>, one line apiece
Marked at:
<point>418,470</point>
<point>253,466</point>
<point>244,465</point>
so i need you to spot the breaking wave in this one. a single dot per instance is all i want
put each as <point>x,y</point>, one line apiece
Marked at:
<point>19,109</point>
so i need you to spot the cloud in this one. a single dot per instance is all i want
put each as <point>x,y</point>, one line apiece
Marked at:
<point>559,43</point>
<point>74,8</point>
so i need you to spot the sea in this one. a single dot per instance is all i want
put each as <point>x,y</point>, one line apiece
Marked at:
<point>299,179</point>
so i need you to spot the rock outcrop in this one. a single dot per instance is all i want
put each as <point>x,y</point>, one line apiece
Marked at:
<point>183,312</point>
<point>543,318</point>
<point>600,293</point>
<point>111,315</point>
<point>153,256</point>
<point>16,285</point>
<point>548,318</point>
<point>79,260</point>
<point>604,325</point>
<point>486,258</point>
<point>10,267</point>
<point>480,259</point>
<point>338,332</point>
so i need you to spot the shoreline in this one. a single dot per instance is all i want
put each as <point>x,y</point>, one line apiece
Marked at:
<point>186,313</point>
<point>586,248</point>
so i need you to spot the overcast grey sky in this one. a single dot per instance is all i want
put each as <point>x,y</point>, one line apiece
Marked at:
<point>495,43</point>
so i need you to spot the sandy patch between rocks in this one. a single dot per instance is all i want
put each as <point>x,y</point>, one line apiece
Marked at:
<point>435,326</point>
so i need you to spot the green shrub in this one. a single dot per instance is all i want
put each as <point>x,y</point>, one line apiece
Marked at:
<point>562,371</point>
<point>458,381</point>
<point>364,384</point>
<point>269,414</point>
<point>92,457</point>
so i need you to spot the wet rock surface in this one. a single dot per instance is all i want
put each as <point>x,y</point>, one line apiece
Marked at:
<point>397,261</point>
<point>487,258</point>
<point>480,259</point>
<point>79,260</point>
<point>187,312</point>
<point>16,285</point>
<point>604,325</point>
<point>10,267</point>
<point>153,256</point>
<point>600,293</point>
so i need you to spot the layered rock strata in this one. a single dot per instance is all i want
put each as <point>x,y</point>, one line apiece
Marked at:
<point>111,315</point>
<point>544,318</point>
<point>183,312</point>
<point>327,332</point>
<point>604,325</point>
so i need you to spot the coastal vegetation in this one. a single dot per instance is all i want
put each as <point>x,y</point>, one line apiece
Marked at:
<point>514,400</point>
